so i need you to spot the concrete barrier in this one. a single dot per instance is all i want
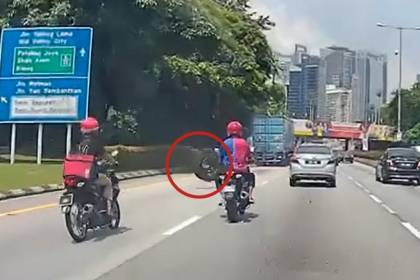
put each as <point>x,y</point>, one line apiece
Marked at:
<point>366,161</point>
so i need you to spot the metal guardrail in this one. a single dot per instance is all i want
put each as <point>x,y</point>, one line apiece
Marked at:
<point>4,149</point>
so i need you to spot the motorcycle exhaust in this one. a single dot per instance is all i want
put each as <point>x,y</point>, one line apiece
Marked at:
<point>65,209</point>
<point>244,195</point>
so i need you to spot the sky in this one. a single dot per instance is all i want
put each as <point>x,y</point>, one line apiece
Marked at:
<point>349,23</point>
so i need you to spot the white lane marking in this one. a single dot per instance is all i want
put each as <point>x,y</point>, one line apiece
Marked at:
<point>182,225</point>
<point>350,178</point>
<point>389,209</point>
<point>375,198</point>
<point>264,183</point>
<point>359,185</point>
<point>411,229</point>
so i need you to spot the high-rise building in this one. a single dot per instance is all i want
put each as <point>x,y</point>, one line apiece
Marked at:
<point>369,89</point>
<point>307,86</point>
<point>338,104</point>
<point>284,63</point>
<point>295,96</point>
<point>340,66</point>
<point>300,51</point>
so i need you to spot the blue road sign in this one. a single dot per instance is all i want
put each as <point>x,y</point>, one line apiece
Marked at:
<point>45,74</point>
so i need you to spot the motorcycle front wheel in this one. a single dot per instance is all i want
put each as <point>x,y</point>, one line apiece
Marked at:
<point>75,226</point>
<point>116,215</point>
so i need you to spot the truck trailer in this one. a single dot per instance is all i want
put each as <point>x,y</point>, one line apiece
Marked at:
<point>273,140</point>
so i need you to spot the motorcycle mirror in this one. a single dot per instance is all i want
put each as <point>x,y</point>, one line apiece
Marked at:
<point>115,153</point>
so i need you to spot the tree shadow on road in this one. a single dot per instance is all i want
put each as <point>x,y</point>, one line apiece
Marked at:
<point>101,235</point>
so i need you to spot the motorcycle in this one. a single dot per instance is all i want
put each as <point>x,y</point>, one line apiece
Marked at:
<point>82,203</point>
<point>236,196</point>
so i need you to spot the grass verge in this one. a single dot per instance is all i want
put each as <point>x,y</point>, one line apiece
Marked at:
<point>26,175</point>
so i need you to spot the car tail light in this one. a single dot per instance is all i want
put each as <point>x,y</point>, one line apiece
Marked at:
<point>70,182</point>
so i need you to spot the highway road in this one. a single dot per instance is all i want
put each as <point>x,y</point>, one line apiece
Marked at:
<point>360,230</point>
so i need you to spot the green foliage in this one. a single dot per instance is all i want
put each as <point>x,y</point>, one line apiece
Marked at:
<point>413,135</point>
<point>410,108</point>
<point>179,59</point>
<point>121,127</point>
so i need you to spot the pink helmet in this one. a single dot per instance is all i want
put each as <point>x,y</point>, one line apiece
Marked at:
<point>89,125</point>
<point>234,128</point>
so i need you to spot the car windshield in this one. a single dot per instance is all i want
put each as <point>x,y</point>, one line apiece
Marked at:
<point>314,150</point>
<point>233,120</point>
<point>410,153</point>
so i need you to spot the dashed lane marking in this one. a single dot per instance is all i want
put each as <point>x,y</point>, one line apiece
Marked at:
<point>376,199</point>
<point>411,229</point>
<point>182,225</point>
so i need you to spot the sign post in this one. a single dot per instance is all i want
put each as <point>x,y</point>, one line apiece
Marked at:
<point>44,76</point>
<point>13,144</point>
<point>68,139</point>
<point>39,144</point>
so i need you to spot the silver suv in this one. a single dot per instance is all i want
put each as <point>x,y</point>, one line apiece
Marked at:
<point>313,162</point>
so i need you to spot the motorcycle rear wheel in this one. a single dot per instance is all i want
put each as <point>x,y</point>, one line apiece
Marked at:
<point>232,211</point>
<point>78,233</point>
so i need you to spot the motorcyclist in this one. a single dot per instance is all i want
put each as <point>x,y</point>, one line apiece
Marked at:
<point>91,144</point>
<point>241,153</point>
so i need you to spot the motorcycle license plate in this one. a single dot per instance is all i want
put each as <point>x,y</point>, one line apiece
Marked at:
<point>66,200</point>
<point>229,189</point>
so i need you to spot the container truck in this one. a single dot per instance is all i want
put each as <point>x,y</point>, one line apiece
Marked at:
<point>273,140</point>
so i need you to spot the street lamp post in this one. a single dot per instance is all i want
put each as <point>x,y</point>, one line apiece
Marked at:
<point>400,29</point>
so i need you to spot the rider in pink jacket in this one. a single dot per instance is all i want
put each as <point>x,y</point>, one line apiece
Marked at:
<point>241,153</point>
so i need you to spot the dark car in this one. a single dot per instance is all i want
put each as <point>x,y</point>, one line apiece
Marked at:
<point>399,164</point>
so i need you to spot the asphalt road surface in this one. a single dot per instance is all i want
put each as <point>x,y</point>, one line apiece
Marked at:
<point>360,230</point>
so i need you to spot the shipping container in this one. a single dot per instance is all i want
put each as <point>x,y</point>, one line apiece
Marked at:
<point>273,140</point>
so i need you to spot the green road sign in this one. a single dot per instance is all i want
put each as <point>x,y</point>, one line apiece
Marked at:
<point>43,60</point>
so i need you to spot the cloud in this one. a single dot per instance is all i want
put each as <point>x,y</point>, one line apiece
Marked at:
<point>291,30</point>
<point>350,23</point>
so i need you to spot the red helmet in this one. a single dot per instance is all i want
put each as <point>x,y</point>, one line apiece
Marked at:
<point>89,125</point>
<point>234,128</point>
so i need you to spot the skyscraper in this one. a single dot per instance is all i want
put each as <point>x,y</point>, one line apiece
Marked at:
<point>338,104</point>
<point>284,63</point>
<point>340,66</point>
<point>370,85</point>
<point>300,51</point>
<point>306,85</point>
